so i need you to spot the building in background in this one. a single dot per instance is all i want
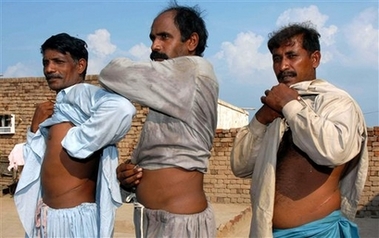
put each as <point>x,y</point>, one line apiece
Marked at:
<point>230,116</point>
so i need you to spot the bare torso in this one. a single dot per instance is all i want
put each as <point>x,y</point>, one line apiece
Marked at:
<point>173,189</point>
<point>304,190</point>
<point>66,181</point>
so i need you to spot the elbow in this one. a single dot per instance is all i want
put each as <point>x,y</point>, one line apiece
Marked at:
<point>123,107</point>
<point>241,174</point>
<point>334,158</point>
<point>128,111</point>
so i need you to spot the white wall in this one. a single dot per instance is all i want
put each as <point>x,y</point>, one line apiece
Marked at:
<point>230,116</point>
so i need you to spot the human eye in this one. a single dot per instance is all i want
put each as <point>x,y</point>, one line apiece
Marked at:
<point>292,56</point>
<point>59,61</point>
<point>164,36</point>
<point>276,59</point>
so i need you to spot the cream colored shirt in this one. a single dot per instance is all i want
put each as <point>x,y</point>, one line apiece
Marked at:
<point>327,124</point>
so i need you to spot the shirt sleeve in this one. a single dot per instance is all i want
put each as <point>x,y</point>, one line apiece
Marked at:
<point>168,86</point>
<point>29,135</point>
<point>110,120</point>
<point>330,132</point>
<point>26,147</point>
<point>245,148</point>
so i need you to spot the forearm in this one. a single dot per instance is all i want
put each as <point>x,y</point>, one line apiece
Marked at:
<point>155,84</point>
<point>110,121</point>
<point>245,148</point>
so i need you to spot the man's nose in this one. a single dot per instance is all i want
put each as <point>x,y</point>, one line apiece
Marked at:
<point>284,65</point>
<point>49,67</point>
<point>156,46</point>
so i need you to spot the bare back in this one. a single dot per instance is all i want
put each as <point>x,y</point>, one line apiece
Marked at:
<point>304,190</point>
<point>66,181</point>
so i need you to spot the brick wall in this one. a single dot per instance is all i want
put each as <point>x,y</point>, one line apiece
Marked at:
<point>369,202</point>
<point>18,96</point>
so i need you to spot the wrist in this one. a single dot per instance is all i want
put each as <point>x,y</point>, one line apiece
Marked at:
<point>33,128</point>
<point>130,189</point>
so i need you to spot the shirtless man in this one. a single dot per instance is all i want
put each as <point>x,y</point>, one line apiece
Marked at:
<point>68,145</point>
<point>305,148</point>
<point>181,91</point>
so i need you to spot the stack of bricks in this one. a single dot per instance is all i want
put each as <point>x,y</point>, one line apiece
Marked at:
<point>369,201</point>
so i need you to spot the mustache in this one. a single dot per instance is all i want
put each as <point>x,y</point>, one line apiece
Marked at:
<point>50,76</point>
<point>156,55</point>
<point>284,74</point>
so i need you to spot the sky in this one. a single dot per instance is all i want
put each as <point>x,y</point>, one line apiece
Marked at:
<point>237,42</point>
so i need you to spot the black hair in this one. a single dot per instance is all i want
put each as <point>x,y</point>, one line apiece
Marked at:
<point>306,29</point>
<point>64,43</point>
<point>189,20</point>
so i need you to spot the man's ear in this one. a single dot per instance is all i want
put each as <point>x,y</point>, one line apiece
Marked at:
<point>316,58</point>
<point>192,42</point>
<point>82,65</point>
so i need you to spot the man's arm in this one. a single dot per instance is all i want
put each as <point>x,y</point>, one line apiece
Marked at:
<point>332,134</point>
<point>248,142</point>
<point>245,148</point>
<point>168,86</point>
<point>110,120</point>
<point>329,129</point>
<point>41,113</point>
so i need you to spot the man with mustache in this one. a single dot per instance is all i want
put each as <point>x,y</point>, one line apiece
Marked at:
<point>70,154</point>
<point>166,169</point>
<point>305,149</point>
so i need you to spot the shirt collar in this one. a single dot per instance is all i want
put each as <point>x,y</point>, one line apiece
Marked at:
<point>64,92</point>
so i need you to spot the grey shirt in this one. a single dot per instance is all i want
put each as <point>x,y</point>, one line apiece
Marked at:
<point>182,95</point>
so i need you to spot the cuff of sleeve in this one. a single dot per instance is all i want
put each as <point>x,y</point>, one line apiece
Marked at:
<point>292,108</point>
<point>256,127</point>
<point>29,134</point>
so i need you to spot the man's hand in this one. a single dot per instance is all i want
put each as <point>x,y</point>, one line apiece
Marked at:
<point>43,111</point>
<point>279,96</point>
<point>129,174</point>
